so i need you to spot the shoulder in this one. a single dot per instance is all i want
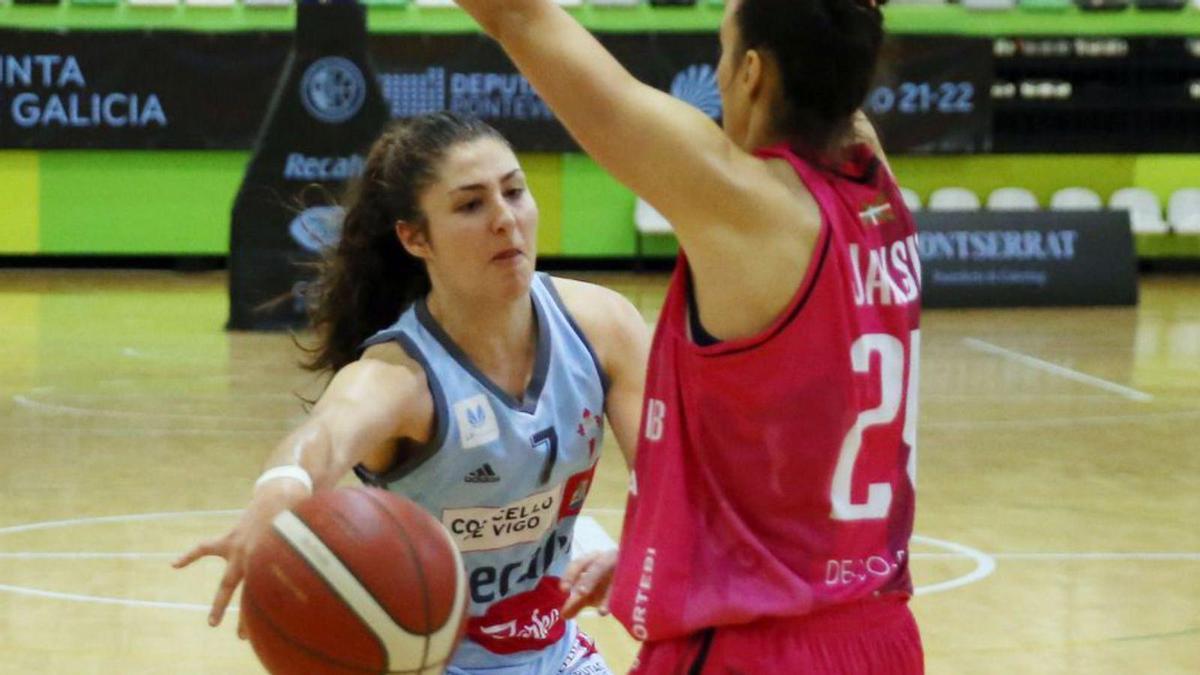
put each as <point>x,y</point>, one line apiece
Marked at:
<point>594,307</point>
<point>608,320</point>
<point>384,379</point>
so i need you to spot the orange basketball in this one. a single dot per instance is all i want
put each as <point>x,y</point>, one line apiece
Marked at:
<point>355,580</point>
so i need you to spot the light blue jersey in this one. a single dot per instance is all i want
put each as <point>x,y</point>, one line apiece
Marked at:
<point>507,477</point>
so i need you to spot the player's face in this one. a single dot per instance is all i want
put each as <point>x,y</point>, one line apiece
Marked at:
<point>482,221</point>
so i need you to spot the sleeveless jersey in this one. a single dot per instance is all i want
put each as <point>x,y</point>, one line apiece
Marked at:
<point>506,477</point>
<point>774,474</point>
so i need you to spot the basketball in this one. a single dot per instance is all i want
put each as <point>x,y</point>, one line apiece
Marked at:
<point>355,580</point>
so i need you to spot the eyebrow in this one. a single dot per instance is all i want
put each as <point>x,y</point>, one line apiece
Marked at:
<point>481,186</point>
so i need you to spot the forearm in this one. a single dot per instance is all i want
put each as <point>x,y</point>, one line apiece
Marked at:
<point>665,150</point>
<point>312,449</point>
<point>571,71</point>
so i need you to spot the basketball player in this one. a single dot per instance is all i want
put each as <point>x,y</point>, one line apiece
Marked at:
<point>769,517</point>
<point>483,402</point>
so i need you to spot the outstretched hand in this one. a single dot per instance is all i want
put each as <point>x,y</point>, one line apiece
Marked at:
<point>588,581</point>
<point>235,546</point>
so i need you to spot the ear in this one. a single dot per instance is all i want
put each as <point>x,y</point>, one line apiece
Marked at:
<point>753,72</point>
<point>413,239</point>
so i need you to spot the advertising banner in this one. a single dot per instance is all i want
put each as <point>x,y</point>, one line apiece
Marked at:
<point>470,75</point>
<point>933,94</point>
<point>1015,259</point>
<point>324,115</point>
<point>180,90</point>
<point>149,89</point>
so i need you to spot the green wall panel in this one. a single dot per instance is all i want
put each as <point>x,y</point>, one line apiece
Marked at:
<point>178,203</point>
<point>703,17</point>
<point>543,174</point>
<point>1165,174</point>
<point>19,187</point>
<point>597,211</point>
<point>138,202</point>
<point>1043,174</point>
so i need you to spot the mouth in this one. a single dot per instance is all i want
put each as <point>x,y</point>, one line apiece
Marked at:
<point>507,254</point>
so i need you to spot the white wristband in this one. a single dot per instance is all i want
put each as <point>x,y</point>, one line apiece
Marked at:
<point>293,471</point>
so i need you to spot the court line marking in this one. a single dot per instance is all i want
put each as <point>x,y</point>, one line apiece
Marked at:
<point>40,406</point>
<point>1055,369</point>
<point>98,600</point>
<point>1032,557</point>
<point>1060,421</point>
<point>985,565</point>
<point>126,518</point>
<point>149,432</point>
<point>1094,556</point>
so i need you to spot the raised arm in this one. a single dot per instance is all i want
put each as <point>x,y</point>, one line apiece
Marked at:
<point>368,407</point>
<point>665,150</point>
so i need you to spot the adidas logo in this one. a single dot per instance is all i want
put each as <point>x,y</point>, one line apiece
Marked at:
<point>484,474</point>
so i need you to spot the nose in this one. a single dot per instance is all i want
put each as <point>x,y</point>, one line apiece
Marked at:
<point>505,219</point>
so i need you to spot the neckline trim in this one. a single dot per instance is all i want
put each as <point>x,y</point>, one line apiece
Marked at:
<point>541,363</point>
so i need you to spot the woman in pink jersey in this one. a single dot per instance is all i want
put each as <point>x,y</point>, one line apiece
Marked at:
<point>770,513</point>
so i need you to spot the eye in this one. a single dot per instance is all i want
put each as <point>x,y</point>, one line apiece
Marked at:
<point>469,207</point>
<point>514,193</point>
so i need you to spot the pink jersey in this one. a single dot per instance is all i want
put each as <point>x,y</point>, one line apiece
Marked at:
<point>775,473</point>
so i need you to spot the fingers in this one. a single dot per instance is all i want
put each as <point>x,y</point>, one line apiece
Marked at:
<point>573,605</point>
<point>229,583</point>
<point>204,549</point>
<point>241,631</point>
<point>571,576</point>
<point>602,605</point>
<point>588,581</point>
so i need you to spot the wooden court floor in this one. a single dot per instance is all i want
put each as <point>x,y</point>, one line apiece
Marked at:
<point>1059,482</point>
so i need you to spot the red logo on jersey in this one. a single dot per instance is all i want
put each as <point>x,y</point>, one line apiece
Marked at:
<point>575,492</point>
<point>587,423</point>
<point>523,622</point>
<point>877,212</point>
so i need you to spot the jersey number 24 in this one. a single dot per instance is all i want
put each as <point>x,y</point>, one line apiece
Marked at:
<point>893,363</point>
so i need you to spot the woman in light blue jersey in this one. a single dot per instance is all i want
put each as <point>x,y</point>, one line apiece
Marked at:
<point>465,381</point>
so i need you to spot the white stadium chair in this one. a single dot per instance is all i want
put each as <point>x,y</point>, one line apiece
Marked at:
<point>1183,210</point>
<point>267,3</point>
<point>1012,199</point>
<point>990,5</point>
<point>209,3</point>
<point>436,3</point>
<point>1145,211</point>
<point>911,199</point>
<point>1076,199</point>
<point>953,199</point>
<point>647,221</point>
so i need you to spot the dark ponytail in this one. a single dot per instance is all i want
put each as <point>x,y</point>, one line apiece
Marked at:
<point>367,280</point>
<point>826,51</point>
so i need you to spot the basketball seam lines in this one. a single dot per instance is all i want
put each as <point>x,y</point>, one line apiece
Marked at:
<point>416,563</point>
<point>374,629</point>
<point>248,599</point>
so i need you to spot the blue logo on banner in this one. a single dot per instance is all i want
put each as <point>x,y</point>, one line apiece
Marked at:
<point>317,228</point>
<point>697,84</point>
<point>333,89</point>
<point>414,94</point>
